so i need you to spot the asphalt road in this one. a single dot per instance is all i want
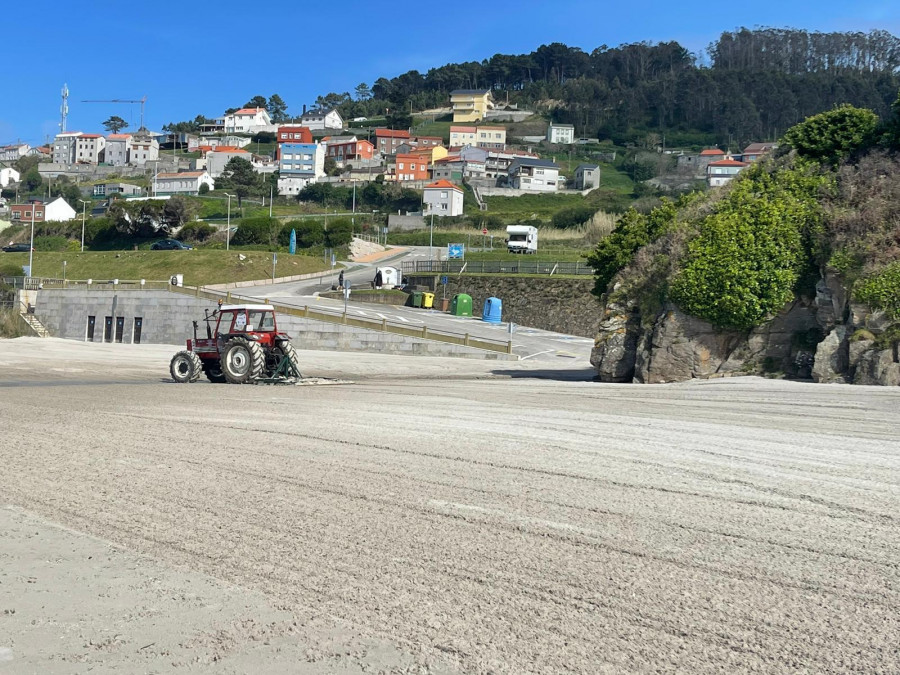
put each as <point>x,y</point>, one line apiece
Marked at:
<point>528,343</point>
<point>490,519</point>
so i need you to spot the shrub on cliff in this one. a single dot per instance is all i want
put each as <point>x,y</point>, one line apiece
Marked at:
<point>881,290</point>
<point>633,231</point>
<point>833,135</point>
<point>751,252</point>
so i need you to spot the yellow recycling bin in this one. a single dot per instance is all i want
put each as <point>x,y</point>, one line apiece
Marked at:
<point>428,300</point>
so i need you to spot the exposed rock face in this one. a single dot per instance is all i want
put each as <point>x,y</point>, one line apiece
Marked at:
<point>832,356</point>
<point>616,344</point>
<point>806,339</point>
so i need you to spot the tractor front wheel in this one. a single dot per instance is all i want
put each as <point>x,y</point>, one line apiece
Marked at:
<point>243,361</point>
<point>185,367</point>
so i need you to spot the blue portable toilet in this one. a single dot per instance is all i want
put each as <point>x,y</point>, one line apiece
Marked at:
<point>493,309</point>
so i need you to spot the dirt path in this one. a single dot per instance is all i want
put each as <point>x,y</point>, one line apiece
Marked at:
<point>504,526</point>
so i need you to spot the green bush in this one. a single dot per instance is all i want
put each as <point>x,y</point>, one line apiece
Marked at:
<point>55,243</point>
<point>262,230</point>
<point>339,233</point>
<point>309,233</point>
<point>633,231</point>
<point>196,231</point>
<point>750,254</point>
<point>572,217</point>
<point>881,290</point>
<point>833,135</point>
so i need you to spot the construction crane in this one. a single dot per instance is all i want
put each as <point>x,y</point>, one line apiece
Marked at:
<point>142,101</point>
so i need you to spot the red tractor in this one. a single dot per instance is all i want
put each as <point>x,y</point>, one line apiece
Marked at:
<point>244,348</point>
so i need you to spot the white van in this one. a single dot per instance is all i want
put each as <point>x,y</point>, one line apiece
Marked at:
<point>521,239</point>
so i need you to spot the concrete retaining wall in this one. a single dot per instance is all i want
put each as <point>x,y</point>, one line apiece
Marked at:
<point>561,305</point>
<point>165,318</point>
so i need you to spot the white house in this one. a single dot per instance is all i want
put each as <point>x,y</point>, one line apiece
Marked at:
<point>184,183</point>
<point>89,148</point>
<point>322,119</point>
<point>536,175</point>
<point>561,133</point>
<point>8,176</point>
<point>291,184</point>
<point>247,121</point>
<point>722,172</point>
<point>58,211</point>
<point>144,149</point>
<point>64,147</point>
<point>443,198</point>
<point>218,158</point>
<point>118,149</point>
<point>10,153</point>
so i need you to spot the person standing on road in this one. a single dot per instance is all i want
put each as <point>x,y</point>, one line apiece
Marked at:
<point>379,280</point>
<point>341,280</point>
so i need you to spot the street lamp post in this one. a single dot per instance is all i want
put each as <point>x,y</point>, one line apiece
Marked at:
<point>228,226</point>
<point>31,248</point>
<point>431,238</point>
<point>83,211</point>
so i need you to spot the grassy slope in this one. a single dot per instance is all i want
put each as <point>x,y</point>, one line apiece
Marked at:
<point>197,266</point>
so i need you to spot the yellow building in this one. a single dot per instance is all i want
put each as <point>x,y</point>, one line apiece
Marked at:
<point>470,105</point>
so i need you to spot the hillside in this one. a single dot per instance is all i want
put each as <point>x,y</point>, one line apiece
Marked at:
<point>792,269</point>
<point>751,85</point>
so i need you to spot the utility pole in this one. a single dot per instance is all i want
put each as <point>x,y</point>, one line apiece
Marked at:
<point>83,210</point>
<point>228,226</point>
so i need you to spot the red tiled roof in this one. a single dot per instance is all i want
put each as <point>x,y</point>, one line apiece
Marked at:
<point>248,111</point>
<point>390,133</point>
<point>228,148</point>
<point>442,184</point>
<point>728,162</point>
<point>116,137</point>
<point>463,130</point>
<point>711,151</point>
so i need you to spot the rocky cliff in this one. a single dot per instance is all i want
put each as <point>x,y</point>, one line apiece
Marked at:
<point>827,338</point>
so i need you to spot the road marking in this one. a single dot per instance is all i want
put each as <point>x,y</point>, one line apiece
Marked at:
<point>382,316</point>
<point>401,318</point>
<point>361,313</point>
<point>522,358</point>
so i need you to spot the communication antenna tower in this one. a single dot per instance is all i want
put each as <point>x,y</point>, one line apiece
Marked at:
<point>64,108</point>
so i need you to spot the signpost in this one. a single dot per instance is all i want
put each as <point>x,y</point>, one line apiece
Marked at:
<point>274,262</point>
<point>333,263</point>
<point>444,284</point>
<point>293,242</point>
<point>456,251</point>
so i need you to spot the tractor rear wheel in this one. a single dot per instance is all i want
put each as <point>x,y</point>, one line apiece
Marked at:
<point>213,371</point>
<point>185,367</point>
<point>243,361</point>
<point>285,348</point>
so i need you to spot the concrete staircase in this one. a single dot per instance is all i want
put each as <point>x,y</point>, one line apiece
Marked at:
<point>35,324</point>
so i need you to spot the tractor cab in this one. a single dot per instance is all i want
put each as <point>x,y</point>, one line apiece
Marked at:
<point>242,319</point>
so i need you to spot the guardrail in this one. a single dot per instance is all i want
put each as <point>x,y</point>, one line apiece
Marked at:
<point>496,267</point>
<point>339,317</point>
<point>46,283</point>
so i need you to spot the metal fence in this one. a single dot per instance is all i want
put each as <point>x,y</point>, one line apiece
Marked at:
<point>496,267</point>
<point>46,283</point>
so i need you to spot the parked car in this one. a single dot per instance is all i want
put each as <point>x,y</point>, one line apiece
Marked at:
<point>17,248</point>
<point>170,245</point>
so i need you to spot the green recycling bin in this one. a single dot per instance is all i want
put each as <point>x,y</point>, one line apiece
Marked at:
<point>461,305</point>
<point>415,299</point>
<point>427,300</point>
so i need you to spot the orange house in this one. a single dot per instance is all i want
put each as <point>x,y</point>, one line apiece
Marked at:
<point>412,166</point>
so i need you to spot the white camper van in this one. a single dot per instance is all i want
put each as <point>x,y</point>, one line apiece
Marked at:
<point>521,239</point>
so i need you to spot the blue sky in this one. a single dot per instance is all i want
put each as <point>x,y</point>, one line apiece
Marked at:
<point>200,58</point>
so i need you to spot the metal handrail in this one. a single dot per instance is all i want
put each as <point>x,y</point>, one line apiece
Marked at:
<point>550,268</point>
<point>339,317</point>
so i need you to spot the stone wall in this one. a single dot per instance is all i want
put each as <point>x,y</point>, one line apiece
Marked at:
<point>166,318</point>
<point>560,305</point>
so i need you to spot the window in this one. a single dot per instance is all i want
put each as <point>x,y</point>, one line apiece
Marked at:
<point>444,194</point>
<point>400,165</point>
<point>38,214</point>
